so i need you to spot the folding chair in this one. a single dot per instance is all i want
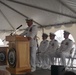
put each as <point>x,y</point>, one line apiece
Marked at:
<point>58,60</point>
<point>72,59</point>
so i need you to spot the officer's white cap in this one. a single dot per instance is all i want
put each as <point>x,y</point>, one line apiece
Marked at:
<point>28,19</point>
<point>52,34</point>
<point>44,34</point>
<point>66,32</point>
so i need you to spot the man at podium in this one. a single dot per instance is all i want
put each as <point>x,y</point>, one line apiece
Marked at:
<point>31,32</point>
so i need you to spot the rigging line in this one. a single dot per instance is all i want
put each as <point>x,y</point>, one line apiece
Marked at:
<point>67,6</point>
<point>7,20</point>
<point>3,30</point>
<point>59,24</point>
<point>19,12</point>
<point>54,12</point>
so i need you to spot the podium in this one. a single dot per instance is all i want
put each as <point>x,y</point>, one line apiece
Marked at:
<point>3,55</point>
<point>18,55</point>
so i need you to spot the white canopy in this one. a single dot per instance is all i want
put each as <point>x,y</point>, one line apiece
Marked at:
<point>53,15</point>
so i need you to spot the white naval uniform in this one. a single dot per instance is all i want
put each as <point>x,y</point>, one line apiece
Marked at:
<point>51,52</point>
<point>42,49</point>
<point>64,50</point>
<point>32,32</point>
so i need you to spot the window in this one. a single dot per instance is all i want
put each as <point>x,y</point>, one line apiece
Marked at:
<point>60,36</point>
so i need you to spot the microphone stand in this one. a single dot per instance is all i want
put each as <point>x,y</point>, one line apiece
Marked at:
<point>14,31</point>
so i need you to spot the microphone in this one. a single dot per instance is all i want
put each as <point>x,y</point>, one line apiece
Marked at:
<point>16,30</point>
<point>19,27</point>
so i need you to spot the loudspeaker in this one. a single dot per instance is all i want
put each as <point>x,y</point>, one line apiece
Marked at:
<point>57,69</point>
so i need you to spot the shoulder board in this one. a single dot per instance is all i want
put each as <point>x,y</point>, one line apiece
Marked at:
<point>26,29</point>
<point>30,29</point>
<point>33,25</point>
<point>55,40</point>
<point>47,40</point>
<point>62,42</point>
<point>70,40</point>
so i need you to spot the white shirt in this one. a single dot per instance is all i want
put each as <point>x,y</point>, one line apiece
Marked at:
<point>43,46</point>
<point>66,45</point>
<point>31,32</point>
<point>53,46</point>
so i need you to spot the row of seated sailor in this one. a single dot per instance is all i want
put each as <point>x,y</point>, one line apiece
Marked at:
<point>48,50</point>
